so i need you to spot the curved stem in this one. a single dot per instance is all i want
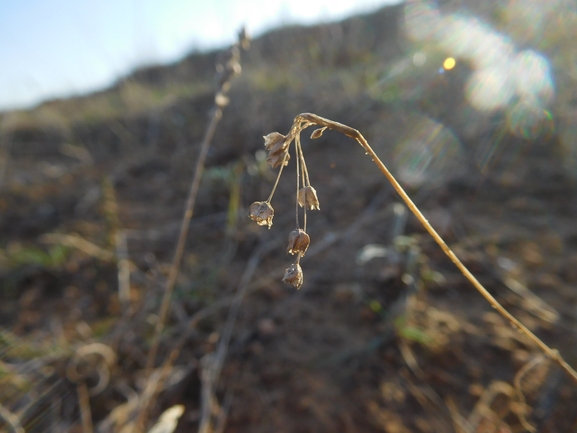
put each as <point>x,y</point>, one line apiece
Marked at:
<point>356,135</point>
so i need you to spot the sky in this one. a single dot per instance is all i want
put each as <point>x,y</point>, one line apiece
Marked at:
<point>59,48</point>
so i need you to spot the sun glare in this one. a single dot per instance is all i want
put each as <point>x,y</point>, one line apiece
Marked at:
<point>449,63</point>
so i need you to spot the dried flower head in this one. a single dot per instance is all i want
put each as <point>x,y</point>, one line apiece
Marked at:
<point>277,147</point>
<point>307,198</point>
<point>261,212</point>
<point>298,242</point>
<point>293,275</point>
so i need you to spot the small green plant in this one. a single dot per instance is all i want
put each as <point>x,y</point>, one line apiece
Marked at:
<point>262,213</point>
<point>18,255</point>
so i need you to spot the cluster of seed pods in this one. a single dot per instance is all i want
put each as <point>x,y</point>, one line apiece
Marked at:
<point>262,212</point>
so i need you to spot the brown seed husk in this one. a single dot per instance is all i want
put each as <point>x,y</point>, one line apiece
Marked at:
<point>307,197</point>
<point>277,147</point>
<point>262,213</point>
<point>298,242</point>
<point>294,276</point>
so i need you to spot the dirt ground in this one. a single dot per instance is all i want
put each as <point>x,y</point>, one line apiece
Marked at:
<point>385,334</point>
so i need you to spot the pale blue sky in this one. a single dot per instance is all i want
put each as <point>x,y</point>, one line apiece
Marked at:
<point>56,48</point>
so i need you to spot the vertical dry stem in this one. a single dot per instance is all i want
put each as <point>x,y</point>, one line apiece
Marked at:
<point>179,251</point>
<point>226,71</point>
<point>356,135</point>
<point>84,402</point>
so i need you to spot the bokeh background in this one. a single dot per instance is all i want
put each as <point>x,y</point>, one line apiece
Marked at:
<point>472,105</point>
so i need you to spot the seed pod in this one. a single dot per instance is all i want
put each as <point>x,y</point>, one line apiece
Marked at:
<point>307,198</point>
<point>317,133</point>
<point>298,242</point>
<point>261,212</point>
<point>273,139</point>
<point>293,275</point>
<point>276,160</point>
<point>277,147</point>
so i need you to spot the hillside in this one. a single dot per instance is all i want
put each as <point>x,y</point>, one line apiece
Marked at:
<point>385,335</point>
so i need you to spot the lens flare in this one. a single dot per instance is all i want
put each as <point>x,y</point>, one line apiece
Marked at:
<point>529,20</point>
<point>533,77</point>
<point>490,88</point>
<point>519,83</point>
<point>470,39</point>
<point>449,63</point>
<point>528,120</point>
<point>429,154</point>
<point>422,19</point>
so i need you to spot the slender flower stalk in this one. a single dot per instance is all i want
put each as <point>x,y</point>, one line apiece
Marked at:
<point>285,160</point>
<point>298,164</point>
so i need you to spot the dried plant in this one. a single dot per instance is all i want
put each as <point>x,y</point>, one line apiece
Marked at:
<point>227,68</point>
<point>278,146</point>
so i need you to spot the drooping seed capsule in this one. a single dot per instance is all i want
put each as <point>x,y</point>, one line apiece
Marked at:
<point>273,139</point>
<point>293,275</point>
<point>298,242</point>
<point>277,147</point>
<point>262,213</point>
<point>307,197</point>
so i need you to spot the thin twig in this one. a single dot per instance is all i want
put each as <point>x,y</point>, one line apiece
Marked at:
<point>12,420</point>
<point>78,242</point>
<point>356,135</point>
<point>123,264</point>
<point>84,402</point>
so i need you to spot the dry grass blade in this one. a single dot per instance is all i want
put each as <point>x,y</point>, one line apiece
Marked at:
<point>427,396</point>
<point>76,241</point>
<point>517,382</point>
<point>483,409</point>
<point>12,420</point>
<point>209,406</point>
<point>168,420</point>
<point>123,268</point>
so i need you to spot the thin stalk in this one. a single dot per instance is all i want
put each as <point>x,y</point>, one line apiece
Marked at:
<point>305,218</point>
<point>356,135</point>
<point>303,173</point>
<point>297,157</point>
<point>179,251</point>
<point>306,179</point>
<point>282,165</point>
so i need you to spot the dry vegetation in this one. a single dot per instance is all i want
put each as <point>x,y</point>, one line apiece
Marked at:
<point>385,335</point>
